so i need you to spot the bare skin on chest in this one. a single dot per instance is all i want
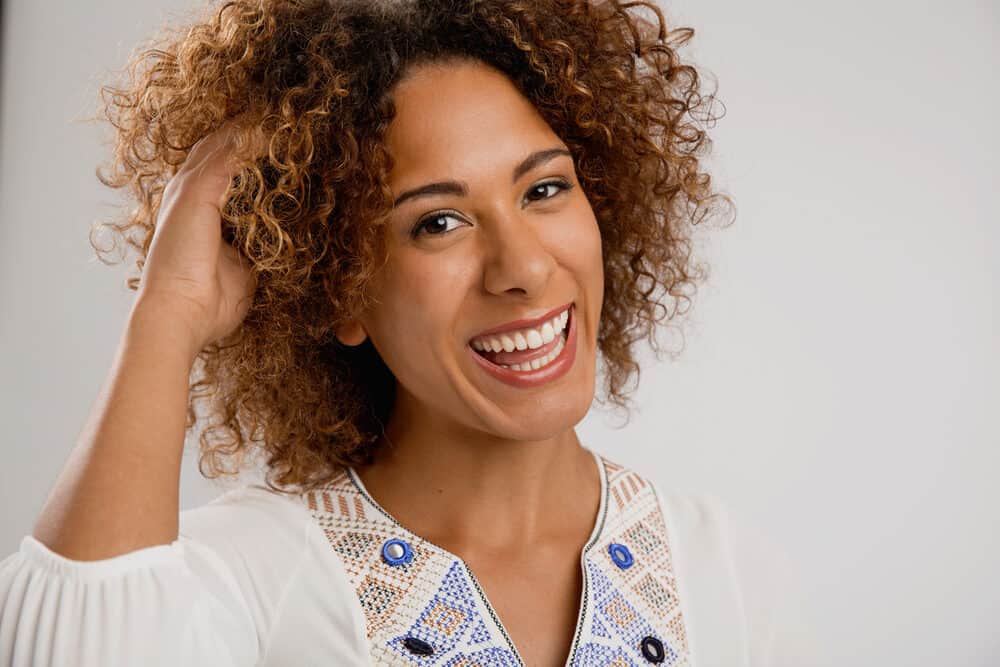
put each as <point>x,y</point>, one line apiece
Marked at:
<point>537,596</point>
<point>530,570</point>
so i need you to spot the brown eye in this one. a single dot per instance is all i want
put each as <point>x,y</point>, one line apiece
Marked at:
<point>559,184</point>
<point>427,224</point>
<point>431,224</point>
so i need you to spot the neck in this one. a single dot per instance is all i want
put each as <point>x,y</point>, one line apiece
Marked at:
<point>471,492</point>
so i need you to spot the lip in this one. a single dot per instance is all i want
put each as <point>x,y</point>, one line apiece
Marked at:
<point>557,368</point>
<point>526,323</point>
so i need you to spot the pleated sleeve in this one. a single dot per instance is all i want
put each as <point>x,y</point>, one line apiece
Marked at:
<point>208,598</point>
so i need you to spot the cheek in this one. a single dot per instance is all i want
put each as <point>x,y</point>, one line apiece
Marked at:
<point>580,249</point>
<point>420,299</point>
<point>595,245</point>
<point>577,241</point>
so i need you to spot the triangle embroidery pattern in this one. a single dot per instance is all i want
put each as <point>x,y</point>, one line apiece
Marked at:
<point>423,606</point>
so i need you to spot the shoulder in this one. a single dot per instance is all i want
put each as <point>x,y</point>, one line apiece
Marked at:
<point>686,510</point>
<point>736,583</point>
<point>252,538</point>
<point>697,521</point>
<point>276,557</point>
<point>246,513</point>
<point>249,527</point>
<point>695,525</point>
<point>726,558</point>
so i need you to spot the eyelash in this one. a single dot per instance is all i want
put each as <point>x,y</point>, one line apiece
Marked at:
<point>562,185</point>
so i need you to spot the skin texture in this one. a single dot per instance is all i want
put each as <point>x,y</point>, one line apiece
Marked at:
<point>118,491</point>
<point>490,472</point>
<point>305,86</point>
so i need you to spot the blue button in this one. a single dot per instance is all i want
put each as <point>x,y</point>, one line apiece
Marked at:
<point>397,552</point>
<point>620,555</point>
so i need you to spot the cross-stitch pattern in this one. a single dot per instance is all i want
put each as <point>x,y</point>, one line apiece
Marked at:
<point>436,598</point>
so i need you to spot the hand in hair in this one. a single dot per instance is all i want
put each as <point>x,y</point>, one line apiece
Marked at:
<point>191,271</point>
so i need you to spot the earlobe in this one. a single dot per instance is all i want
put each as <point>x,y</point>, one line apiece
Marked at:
<point>352,334</point>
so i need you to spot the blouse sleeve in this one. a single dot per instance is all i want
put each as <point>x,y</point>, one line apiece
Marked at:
<point>772,589</point>
<point>207,598</point>
<point>740,591</point>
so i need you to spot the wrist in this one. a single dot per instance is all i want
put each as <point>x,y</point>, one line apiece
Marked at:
<point>159,321</point>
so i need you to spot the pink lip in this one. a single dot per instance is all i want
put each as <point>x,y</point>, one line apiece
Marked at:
<point>523,324</point>
<point>526,379</point>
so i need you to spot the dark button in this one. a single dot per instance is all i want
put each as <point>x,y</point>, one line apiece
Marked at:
<point>652,649</point>
<point>396,552</point>
<point>620,555</point>
<point>420,647</point>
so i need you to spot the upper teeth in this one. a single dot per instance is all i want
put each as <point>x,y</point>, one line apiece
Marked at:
<point>523,339</point>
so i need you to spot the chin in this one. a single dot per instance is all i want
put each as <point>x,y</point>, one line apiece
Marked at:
<point>542,417</point>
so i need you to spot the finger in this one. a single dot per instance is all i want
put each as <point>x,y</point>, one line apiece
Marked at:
<point>215,167</point>
<point>208,146</point>
<point>197,193</point>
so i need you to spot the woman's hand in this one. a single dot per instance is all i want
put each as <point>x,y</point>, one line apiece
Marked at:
<point>118,490</point>
<point>193,278</point>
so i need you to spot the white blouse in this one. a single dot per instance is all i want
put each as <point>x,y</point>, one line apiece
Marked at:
<point>330,578</point>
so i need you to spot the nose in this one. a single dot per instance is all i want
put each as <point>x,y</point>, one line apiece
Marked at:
<point>517,259</point>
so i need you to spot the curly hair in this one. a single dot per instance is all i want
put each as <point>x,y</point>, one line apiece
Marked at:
<point>312,81</point>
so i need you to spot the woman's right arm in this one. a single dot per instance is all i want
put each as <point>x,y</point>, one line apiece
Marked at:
<point>105,578</point>
<point>118,491</point>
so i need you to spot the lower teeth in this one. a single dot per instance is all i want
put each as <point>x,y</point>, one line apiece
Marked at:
<point>535,364</point>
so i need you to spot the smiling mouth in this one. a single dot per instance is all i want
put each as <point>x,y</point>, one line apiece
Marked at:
<point>527,349</point>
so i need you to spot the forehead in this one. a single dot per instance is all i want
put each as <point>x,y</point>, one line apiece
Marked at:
<point>459,119</point>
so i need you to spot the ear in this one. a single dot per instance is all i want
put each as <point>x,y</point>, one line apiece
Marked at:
<point>352,333</point>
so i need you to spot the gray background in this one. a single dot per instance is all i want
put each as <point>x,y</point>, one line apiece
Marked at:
<point>839,384</point>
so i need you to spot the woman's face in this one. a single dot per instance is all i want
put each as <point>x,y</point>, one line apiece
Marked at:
<point>504,241</point>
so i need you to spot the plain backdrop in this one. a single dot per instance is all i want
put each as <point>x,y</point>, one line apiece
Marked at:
<point>838,385</point>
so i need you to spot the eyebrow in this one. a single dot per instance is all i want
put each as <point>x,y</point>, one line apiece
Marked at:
<point>460,188</point>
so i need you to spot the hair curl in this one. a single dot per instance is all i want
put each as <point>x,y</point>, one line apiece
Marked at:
<point>311,80</point>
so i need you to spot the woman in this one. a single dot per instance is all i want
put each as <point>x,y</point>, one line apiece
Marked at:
<point>394,235</point>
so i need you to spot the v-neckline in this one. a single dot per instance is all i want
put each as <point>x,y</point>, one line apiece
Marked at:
<point>595,534</point>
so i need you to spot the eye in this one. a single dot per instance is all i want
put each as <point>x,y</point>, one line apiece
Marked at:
<point>434,230</point>
<point>424,224</point>
<point>560,185</point>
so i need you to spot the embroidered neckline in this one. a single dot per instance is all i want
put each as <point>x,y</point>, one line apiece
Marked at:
<point>437,598</point>
<point>595,532</point>
<point>595,535</point>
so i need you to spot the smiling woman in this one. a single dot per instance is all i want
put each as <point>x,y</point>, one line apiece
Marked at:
<point>388,244</point>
